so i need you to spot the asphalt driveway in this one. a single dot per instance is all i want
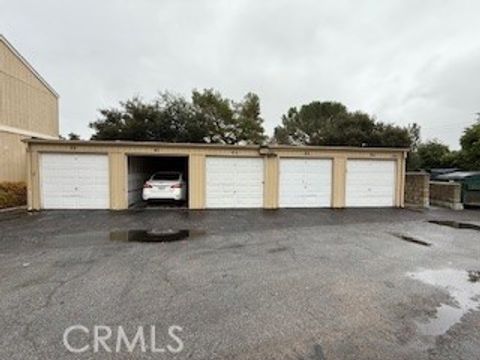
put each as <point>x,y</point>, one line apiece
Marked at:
<point>287,284</point>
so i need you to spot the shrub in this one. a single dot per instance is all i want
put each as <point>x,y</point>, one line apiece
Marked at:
<point>12,194</point>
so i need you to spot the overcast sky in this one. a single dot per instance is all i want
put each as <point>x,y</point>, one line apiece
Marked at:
<point>403,61</point>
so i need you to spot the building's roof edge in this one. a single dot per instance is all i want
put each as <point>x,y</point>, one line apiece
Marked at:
<point>338,147</point>
<point>28,65</point>
<point>203,145</point>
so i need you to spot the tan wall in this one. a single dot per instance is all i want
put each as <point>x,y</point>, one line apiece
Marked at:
<point>446,194</point>
<point>118,167</point>
<point>417,189</point>
<point>196,183</point>
<point>271,182</point>
<point>13,157</point>
<point>27,108</point>
<point>25,102</point>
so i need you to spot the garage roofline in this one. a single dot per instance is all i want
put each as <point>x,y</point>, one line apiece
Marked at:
<point>207,146</point>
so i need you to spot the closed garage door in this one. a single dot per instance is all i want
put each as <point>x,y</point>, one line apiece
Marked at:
<point>305,183</point>
<point>234,182</point>
<point>74,181</point>
<point>370,183</point>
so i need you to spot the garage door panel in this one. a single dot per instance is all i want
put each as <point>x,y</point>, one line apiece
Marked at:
<point>74,181</point>
<point>220,189</point>
<point>305,183</point>
<point>253,196</point>
<point>370,183</point>
<point>222,182</point>
<point>234,182</point>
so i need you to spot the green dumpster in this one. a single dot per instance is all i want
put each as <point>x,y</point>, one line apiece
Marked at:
<point>470,181</point>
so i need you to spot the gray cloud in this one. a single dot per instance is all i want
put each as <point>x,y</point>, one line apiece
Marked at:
<point>402,61</point>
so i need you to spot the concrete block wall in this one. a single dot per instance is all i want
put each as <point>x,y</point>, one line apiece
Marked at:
<point>417,189</point>
<point>446,194</point>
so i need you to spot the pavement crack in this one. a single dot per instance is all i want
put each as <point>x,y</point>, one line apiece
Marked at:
<point>27,332</point>
<point>62,283</point>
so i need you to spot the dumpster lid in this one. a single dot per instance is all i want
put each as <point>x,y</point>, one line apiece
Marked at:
<point>458,175</point>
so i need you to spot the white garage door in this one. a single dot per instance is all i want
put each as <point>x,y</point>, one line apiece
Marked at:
<point>74,181</point>
<point>305,183</point>
<point>234,182</point>
<point>370,183</point>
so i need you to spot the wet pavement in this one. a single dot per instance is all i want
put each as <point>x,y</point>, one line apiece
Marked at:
<point>456,224</point>
<point>464,297</point>
<point>286,284</point>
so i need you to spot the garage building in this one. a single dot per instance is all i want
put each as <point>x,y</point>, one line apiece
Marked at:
<point>110,175</point>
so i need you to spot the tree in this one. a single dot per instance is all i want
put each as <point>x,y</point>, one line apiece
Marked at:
<point>250,124</point>
<point>330,123</point>
<point>217,114</point>
<point>229,122</point>
<point>310,124</point>
<point>470,142</point>
<point>434,154</point>
<point>73,136</point>
<point>413,159</point>
<point>208,117</point>
<point>183,123</point>
<point>415,137</point>
<point>133,120</point>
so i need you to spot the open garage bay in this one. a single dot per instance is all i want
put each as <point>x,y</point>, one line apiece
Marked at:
<point>142,168</point>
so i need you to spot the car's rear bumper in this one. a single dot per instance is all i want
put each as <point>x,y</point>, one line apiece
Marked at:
<point>176,194</point>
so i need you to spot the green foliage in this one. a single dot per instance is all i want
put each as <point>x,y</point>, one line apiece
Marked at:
<point>12,194</point>
<point>208,117</point>
<point>413,161</point>
<point>73,136</point>
<point>415,138</point>
<point>470,141</point>
<point>228,122</point>
<point>330,123</point>
<point>217,115</point>
<point>168,118</point>
<point>434,154</point>
<point>454,159</point>
<point>249,121</point>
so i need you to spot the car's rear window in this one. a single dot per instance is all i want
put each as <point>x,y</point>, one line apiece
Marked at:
<point>166,176</point>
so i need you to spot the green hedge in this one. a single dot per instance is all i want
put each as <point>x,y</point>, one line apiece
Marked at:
<point>12,194</point>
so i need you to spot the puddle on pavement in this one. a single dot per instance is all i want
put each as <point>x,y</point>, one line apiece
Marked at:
<point>456,224</point>
<point>411,239</point>
<point>464,292</point>
<point>153,235</point>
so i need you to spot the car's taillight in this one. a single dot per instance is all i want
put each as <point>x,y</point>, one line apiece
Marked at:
<point>147,185</point>
<point>176,186</point>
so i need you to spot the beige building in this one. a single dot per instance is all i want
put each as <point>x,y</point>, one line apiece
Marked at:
<point>111,174</point>
<point>28,108</point>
